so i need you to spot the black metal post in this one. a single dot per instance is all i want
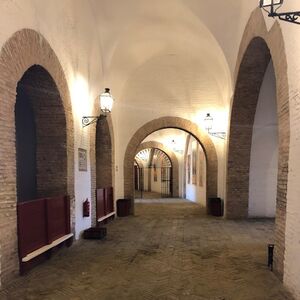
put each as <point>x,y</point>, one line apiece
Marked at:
<point>270,256</point>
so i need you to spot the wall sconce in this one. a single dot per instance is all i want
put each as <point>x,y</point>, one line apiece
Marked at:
<point>106,103</point>
<point>271,7</point>
<point>208,122</point>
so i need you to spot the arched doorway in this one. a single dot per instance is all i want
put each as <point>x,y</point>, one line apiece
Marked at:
<point>258,47</point>
<point>174,161</point>
<point>41,137</point>
<point>263,167</point>
<point>155,177</point>
<point>28,49</point>
<point>194,176</point>
<point>170,122</point>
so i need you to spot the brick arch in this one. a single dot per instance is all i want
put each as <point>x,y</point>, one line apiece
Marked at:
<point>178,123</point>
<point>258,47</point>
<point>104,131</point>
<point>26,48</point>
<point>39,88</point>
<point>139,163</point>
<point>173,158</point>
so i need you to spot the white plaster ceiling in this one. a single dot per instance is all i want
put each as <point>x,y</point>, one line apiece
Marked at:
<point>174,139</point>
<point>171,52</point>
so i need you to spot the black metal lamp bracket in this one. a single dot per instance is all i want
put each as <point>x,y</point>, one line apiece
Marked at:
<point>291,17</point>
<point>88,120</point>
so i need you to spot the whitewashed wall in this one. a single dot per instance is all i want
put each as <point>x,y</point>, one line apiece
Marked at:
<point>264,151</point>
<point>195,192</point>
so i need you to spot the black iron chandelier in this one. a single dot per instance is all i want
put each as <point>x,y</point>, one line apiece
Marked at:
<point>272,6</point>
<point>106,104</point>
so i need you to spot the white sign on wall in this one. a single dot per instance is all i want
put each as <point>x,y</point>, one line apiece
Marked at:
<point>82,159</point>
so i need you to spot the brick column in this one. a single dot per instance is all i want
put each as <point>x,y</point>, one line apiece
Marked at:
<point>257,47</point>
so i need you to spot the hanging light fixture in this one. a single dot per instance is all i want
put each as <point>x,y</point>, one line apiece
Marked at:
<point>208,123</point>
<point>271,7</point>
<point>106,104</point>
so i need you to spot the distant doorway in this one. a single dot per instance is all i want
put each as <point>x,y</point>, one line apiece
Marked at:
<point>153,174</point>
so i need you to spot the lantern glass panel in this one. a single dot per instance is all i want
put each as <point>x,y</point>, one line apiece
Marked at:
<point>208,121</point>
<point>266,3</point>
<point>106,102</point>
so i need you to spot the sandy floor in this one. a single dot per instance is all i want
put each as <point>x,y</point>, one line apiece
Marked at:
<point>167,251</point>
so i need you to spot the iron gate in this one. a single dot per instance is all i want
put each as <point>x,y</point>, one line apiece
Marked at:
<point>145,175</point>
<point>166,182</point>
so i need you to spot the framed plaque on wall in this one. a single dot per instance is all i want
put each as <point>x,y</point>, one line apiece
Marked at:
<point>82,159</point>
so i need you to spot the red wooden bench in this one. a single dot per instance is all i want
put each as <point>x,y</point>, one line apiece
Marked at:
<point>43,224</point>
<point>104,204</point>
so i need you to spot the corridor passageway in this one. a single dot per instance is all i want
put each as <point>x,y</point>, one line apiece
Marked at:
<point>169,250</point>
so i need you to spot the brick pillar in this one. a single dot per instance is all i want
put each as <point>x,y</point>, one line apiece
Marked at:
<point>103,155</point>
<point>257,46</point>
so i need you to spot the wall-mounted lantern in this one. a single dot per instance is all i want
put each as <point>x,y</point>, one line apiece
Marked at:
<point>208,123</point>
<point>106,103</point>
<point>271,7</point>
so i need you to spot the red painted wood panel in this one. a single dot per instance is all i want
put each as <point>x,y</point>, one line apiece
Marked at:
<point>42,221</point>
<point>104,202</point>
<point>56,217</point>
<point>109,200</point>
<point>32,227</point>
<point>100,203</point>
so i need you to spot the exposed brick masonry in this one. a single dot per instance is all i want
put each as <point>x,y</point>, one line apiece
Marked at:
<point>23,50</point>
<point>102,156</point>
<point>171,122</point>
<point>51,131</point>
<point>257,47</point>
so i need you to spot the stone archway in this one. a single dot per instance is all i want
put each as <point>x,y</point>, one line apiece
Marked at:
<point>26,48</point>
<point>257,47</point>
<point>173,158</point>
<point>178,123</point>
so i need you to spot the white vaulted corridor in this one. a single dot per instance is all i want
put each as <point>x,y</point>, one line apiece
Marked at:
<point>149,149</point>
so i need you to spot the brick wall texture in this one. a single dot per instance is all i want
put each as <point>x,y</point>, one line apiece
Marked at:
<point>28,49</point>
<point>170,122</point>
<point>257,47</point>
<point>102,156</point>
<point>173,158</point>
<point>51,135</point>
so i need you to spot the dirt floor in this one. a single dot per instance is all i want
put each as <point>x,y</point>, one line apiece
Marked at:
<point>169,250</point>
